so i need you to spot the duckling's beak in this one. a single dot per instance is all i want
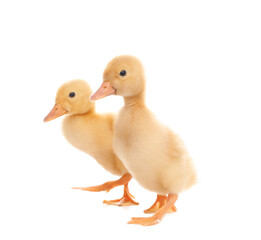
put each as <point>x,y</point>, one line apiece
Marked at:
<point>105,90</point>
<point>56,112</point>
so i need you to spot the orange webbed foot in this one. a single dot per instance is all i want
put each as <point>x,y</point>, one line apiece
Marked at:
<point>126,200</point>
<point>156,218</point>
<point>108,185</point>
<point>99,188</point>
<point>159,203</point>
<point>121,202</point>
<point>145,221</point>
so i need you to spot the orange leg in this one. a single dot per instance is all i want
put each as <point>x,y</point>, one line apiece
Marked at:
<point>156,218</point>
<point>159,203</point>
<point>124,180</point>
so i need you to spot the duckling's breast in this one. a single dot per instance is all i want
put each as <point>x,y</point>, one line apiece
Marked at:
<point>94,137</point>
<point>137,143</point>
<point>145,147</point>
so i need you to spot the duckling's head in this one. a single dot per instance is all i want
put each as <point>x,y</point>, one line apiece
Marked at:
<point>71,98</point>
<point>123,76</point>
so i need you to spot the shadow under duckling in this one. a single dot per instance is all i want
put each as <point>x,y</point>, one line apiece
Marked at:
<point>91,133</point>
<point>152,153</point>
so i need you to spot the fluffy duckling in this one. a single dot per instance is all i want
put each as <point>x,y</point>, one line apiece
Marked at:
<point>91,133</point>
<point>151,152</point>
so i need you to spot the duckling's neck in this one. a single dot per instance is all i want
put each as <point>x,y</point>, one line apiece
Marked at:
<point>91,113</point>
<point>137,100</point>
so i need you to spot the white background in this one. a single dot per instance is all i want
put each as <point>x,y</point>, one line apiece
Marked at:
<point>202,61</point>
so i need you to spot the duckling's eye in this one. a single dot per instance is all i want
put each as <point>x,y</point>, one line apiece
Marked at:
<point>123,73</point>
<point>72,94</point>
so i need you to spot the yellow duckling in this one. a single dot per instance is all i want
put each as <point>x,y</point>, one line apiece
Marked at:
<point>91,133</point>
<point>151,152</point>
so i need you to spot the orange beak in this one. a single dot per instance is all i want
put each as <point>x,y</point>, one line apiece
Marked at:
<point>105,90</point>
<point>56,112</point>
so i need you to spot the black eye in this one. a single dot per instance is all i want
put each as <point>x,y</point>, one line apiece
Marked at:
<point>72,94</point>
<point>123,73</point>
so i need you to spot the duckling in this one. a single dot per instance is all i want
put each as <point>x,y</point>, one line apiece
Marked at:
<point>91,133</point>
<point>152,153</point>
